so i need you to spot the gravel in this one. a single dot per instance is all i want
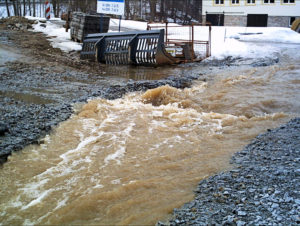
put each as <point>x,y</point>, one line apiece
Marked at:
<point>261,189</point>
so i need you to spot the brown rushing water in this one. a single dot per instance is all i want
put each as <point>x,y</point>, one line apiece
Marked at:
<point>132,160</point>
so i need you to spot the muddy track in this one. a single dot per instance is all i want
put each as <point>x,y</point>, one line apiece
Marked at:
<point>36,46</point>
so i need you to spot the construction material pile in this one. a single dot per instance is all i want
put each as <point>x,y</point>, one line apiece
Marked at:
<point>83,24</point>
<point>17,23</point>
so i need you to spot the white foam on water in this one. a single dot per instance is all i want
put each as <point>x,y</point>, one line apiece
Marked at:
<point>116,181</point>
<point>154,124</point>
<point>38,199</point>
<point>132,182</point>
<point>43,217</point>
<point>198,87</point>
<point>67,156</point>
<point>116,156</point>
<point>32,189</point>
<point>157,113</point>
<point>60,204</point>
<point>70,160</point>
<point>28,222</point>
<point>155,146</point>
<point>16,203</point>
<point>98,186</point>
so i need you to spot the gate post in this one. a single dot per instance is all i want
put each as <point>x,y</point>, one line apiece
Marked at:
<point>166,31</point>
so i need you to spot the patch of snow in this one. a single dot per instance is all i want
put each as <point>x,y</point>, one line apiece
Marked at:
<point>59,38</point>
<point>270,34</point>
<point>131,24</point>
<point>226,41</point>
<point>223,45</point>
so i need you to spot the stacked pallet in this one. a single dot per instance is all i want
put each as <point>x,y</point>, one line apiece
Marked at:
<point>83,24</point>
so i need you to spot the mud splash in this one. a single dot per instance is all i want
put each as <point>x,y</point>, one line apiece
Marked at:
<point>134,159</point>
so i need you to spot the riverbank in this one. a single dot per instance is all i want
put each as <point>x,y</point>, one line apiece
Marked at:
<point>262,189</point>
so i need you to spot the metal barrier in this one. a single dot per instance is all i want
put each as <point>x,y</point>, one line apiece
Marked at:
<point>142,48</point>
<point>151,47</point>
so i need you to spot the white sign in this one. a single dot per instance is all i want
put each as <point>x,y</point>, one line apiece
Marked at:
<point>115,7</point>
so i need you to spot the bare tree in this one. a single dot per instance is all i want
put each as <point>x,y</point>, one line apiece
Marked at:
<point>34,9</point>
<point>7,8</point>
<point>19,8</point>
<point>152,9</point>
<point>58,8</point>
<point>162,10</point>
<point>127,9</point>
<point>24,8</point>
<point>54,5</point>
<point>15,7</point>
<point>182,11</point>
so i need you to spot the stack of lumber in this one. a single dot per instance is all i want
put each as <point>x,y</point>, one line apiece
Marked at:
<point>83,24</point>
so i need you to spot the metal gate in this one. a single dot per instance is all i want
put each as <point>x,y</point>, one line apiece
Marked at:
<point>151,47</point>
<point>144,47</point>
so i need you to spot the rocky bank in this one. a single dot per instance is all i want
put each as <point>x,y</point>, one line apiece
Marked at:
<point>24,123</point>
<point>261,189</point>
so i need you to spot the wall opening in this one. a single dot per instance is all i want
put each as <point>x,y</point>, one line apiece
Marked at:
<point>215,19</point>
<point>257,20</point>
<point>292,19</point>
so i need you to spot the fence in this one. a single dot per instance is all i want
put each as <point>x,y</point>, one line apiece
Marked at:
<point>178,37</point>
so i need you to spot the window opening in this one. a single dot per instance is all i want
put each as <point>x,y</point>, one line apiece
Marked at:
<point>219,2</point>
<point>288,1</point>
<point>269,1</point>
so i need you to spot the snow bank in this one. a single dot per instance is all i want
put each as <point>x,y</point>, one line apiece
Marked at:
<point>269,34</point>
<point>226,41</point>
<point>250,42</point>
<point>58,36</point>
<point>131,24</point>
<point>230,41</point>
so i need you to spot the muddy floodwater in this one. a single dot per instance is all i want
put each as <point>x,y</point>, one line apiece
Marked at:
<point>132,160</point>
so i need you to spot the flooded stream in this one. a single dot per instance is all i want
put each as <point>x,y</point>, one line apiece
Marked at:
<point>132,160</point>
